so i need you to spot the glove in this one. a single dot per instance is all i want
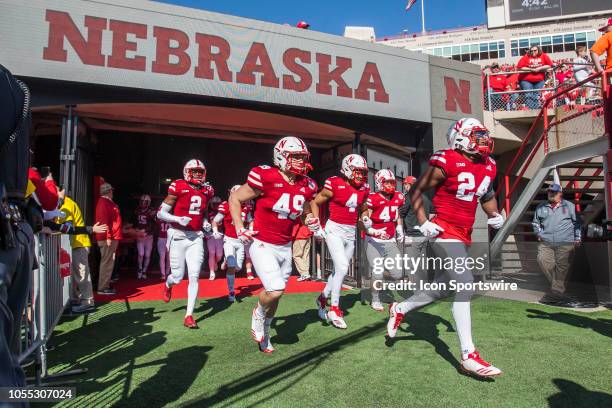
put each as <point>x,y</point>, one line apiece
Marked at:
<point>399,234</point>
<point>320,233</point>
<point>378,233</point>
<point>246,235</point>
<point>49,215</point>
<point>430,229</point>
<point>497,221</point>
<point>367,222</point>
<point>313,224</point>
<point>183,221</point>
<point>206,226</point>
<point>217,235</point>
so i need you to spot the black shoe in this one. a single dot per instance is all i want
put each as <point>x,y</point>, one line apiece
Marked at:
<point>83,309</point>
<point>108,291</point>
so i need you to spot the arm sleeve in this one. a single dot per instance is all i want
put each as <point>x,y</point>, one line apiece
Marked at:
<point>165,215</point>
<point>103,216</point>
<point>218,218</point>
<point>255,178</point>
<point>328,184</point>
<point>577,225</point>
<point>547,60</point>
<point>600,45</point>
<point>67,228</point>
<point>522,62</point>
<point>403,210</point>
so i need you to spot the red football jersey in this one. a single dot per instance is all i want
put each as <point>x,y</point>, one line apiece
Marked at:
<point>385,211</point>
<point>145,220</point>
<point>456,199</point>
<point>344,205</point>
<point>190,203</point>
<point>162,228</point>
<point>228,223</point>
<point>280,205</point>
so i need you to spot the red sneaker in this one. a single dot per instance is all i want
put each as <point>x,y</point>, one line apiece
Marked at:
<point>167,293</point>
<point>190,323</point>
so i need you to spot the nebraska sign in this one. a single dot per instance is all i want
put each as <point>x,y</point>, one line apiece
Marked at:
<point>162,47</point>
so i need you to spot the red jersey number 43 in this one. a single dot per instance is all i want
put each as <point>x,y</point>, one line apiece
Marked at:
<point>288,206</point>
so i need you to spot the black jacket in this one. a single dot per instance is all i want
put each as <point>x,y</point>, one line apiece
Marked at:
<point>407,213</point>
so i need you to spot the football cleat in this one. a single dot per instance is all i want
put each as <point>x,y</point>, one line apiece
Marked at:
<point>250,276</point>
<point>257,326</point>
<point>476,366</point>
<point>336,317</point>
<point>212,275</point>
<point>231,297</point>
<point>190,323</point>
<point>378,306</point>
<point>266,345</point>
<point>395,318</point>
<point>167,293</point>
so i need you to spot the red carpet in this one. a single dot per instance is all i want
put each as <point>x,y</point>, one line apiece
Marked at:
<point>151,288</point>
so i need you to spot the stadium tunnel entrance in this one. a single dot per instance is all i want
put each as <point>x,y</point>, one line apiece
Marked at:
<point>141,147</point>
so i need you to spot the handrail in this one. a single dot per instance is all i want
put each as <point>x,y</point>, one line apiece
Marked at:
<point>509,190</point>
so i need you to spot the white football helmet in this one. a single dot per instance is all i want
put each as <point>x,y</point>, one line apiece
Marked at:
<point>470,136</point>
<point>291,155</point>
<point>145,201</point>
<point>234,188</point>
<point>355,169</point>
<point>194,172</point>
<point>382,177</point>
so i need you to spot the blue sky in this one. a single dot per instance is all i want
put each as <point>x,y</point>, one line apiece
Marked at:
<point>331,16</point>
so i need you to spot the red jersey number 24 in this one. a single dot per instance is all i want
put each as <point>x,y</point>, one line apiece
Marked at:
<point>466,191</point>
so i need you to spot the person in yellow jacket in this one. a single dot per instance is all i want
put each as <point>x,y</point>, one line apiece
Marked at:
<point>82,289</point>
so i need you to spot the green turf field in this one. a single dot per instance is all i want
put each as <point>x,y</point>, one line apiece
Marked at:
<point>139,355</point>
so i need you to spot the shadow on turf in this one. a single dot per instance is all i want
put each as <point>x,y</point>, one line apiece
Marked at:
<point>572,395</point>
<point>601,326</point>
<point>290,370</point>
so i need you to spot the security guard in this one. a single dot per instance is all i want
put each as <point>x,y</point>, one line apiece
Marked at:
<point>16,235</point>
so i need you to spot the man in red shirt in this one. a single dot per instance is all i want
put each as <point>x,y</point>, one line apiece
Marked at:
<point>107,212</point>
<point>498,82</point>
<point>534,65</point>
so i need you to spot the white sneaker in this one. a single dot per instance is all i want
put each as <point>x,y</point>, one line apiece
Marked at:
<point>395,318</point>
<point>250,276</point>
<point>303,278</point>
<point>473,364</point>
<point>212,275</point>
<point>336,317</point>
<point>266,345</point>
<point>378,306</point>
<point>257,326</point>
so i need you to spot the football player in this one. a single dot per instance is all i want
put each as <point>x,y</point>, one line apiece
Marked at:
<point>461,177</point>
<point>347,196</point>
<point>185,209</point>
<point>214,242</point>
<point>162,248</point>
<point>386,231</point>
<point>145,225</point>
<point>232,246</point>
<point>281,193</point>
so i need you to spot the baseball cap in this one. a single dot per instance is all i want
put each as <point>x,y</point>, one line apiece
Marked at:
<point>608,24</point>
<point>409,180</point>
<point>555,188</point>
<point>303,24</point>
<point>106,188</point>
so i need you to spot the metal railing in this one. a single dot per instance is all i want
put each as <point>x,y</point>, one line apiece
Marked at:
<point>543,119</point>
<point>521,99</point>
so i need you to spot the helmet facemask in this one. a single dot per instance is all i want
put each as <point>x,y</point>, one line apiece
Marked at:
<point>359,177</point>
<point>297,163</point>
<point>388,186</point>
<point>196,176</point>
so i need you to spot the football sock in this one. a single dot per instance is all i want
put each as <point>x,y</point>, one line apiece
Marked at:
<point>261,311</point>
<point>192,294</point>
<point>463,321</point>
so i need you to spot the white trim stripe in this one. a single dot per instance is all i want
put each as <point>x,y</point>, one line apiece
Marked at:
<point>255,182</point>
<point>438,158</point>
<point>254,175</point>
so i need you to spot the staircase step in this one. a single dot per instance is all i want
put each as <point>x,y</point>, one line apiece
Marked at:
<point>577,178</point>
<point>573,201</point>
<point>579,190</point>
<point>582,165</point>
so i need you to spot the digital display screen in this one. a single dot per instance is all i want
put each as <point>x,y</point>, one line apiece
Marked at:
<point>525,10</point>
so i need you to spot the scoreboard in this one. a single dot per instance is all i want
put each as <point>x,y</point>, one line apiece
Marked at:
<point>511,12</point>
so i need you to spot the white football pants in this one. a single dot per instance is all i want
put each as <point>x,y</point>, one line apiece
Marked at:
<point>273,264</point>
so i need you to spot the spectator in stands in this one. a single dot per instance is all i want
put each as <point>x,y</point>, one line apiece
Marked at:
<point>563,74</point>
<point>533,66</point>
<point>301,251</point>
<point>557,227</point>
<point>107,212</point>
<point>603,45</point>
<point>498,82</point>
<point>583,66</point>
